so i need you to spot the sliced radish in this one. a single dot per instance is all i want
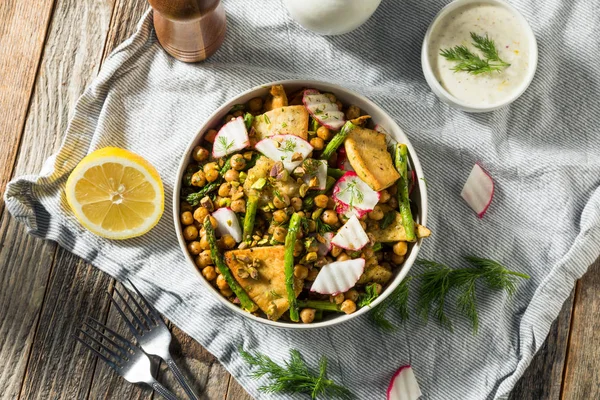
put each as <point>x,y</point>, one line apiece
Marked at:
<point>228,224</point>
<point>325,248</point>
<point>232,137</point>
<point>289,149</point>
<point>404,385</point>
<point>351,236</point>
<point>353,196</point>
<point>338,276</point>
<point>323,110</point>
<point>413,180</point>
<point>315,169</point>
<point>342,161</point>
<point>478,190</point>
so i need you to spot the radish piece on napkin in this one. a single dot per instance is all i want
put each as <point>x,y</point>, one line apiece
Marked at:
<point>404,385</point>
<point>478,190</point>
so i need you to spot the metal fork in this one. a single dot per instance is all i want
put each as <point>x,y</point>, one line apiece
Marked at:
<point>151,332</point>
<point>125,358</point>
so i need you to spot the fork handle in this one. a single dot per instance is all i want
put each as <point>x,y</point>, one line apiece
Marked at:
<point>163,391</point>
<point>181,378</point>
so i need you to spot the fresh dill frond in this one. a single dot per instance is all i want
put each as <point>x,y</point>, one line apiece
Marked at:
<point>352,189</point>
<point>248,120</point>
<point>288,146</point>
<point>223,144</point>
<point>387,219</point>
<point>435,285</point>
<point>397,300</point>
<point>322,227</point>
<point>487,47</point>
<point>266,119</point>
<point>294,376</point>
<point>473,63</point>
<point>365,299</point>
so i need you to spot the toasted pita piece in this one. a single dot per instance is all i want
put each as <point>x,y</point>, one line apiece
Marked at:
<point>395,231</point>
<point>375,273</point>
<point>277,98</point>
<point>290,120</point>
<point>367,153</point>
<point>269,288</point>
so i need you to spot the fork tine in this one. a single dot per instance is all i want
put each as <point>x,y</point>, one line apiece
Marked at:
<point>153,311</point>
<point>130,324</point>
<point>104,347</point>
<point>96,352</point>
<point>142,311</point>
<point>109,340</point>
<point>115,334</point>
<point>137,320</point>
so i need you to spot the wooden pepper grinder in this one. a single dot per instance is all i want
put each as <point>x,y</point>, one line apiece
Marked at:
<point>189,30</point>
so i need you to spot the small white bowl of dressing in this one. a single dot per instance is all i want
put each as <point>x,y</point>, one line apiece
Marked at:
<point>514,40</point>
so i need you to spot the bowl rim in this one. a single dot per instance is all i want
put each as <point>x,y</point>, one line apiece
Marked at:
<point>392,126</point>
<point>446,96</point>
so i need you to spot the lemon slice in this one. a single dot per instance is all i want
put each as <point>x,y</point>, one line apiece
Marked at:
<point>115,193</point>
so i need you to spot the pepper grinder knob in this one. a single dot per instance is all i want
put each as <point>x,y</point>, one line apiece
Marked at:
<point>189,30</point>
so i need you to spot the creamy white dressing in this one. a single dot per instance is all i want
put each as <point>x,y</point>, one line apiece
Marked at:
<point>501,25</point>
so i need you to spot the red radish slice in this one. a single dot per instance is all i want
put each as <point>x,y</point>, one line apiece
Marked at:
<point>404,385</point>
<point>353,196</point>
<point>325,248</point>
<point>318,169</point>
<point>413,181</point>
<point>232,137</point>
<point>338,276</point>
<point>228,224</point>
<point>323,110</point>
<point>351,236</point>
<point>342,160</point>
<point>478,190</point>
<point>289,149</point>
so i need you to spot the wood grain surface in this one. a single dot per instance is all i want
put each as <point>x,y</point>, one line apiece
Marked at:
<point>50,50</point>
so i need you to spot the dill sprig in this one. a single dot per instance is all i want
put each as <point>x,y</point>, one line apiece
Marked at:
<point>369,296</point>
<point>224,144</point>
<point>294,376</point>
<point>322,227</point>
<point>473,63</point>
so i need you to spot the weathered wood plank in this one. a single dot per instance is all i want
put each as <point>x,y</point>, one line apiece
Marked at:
<point>582,368</point>
<point>542,379</point>
<point>125,17</point>
<point>22,34</point>
<point>236,392</point>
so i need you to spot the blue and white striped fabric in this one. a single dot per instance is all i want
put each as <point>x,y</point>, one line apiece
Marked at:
<point>542,152</point>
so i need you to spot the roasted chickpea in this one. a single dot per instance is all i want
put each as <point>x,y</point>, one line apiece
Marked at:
<point>296,203</point>
<point>187,218</point>
<point>238,113</point>
<point>298,248</point>
<point>396,259</point>
<point>212,175</point>
<point>335,251</point>
<point>209,273</point>
<point>227,292</point>
<point>331,97</point>
<point>384,196</point>
<point>281,201</point>
<point>194,247</point>
<point>400,248</point>
<point>238,162</point>
<point>200,153</point>
<point>324,133</point>
<point>392,202</point>
<point>232,175</point>
<point>351,294</point>
<point>348,306</point>
<point>280,216</point>
<point>200,214</point>
<point>238,206</point>
<point>198,179</point>
<point>376,214</point>
<point>210,135</point>
<point>317,143</point>
<point>190,232</point>
<point>300,271</point>
<point>210,166</point>
<point>338,298</point>
<point>340,105</point>
<point>312,274</point>
<point>204,244</point>
<point>185,206</point>
<point>371,262</point>
<point>204,259</point>
<point>301,214</point>
<point>213,221</point>
<point>228,118</point>
<point>363,224</point>
<point>228,241</point>
<point>330,217</point>
<point>279,234</point>
<point>224,189</point>
<point>307,315</point>
<point>343,257</point>
<point>221,282</point>
<point>321,201</point>
<point>352,112</point>
<point>255,104</point>
<point>378,288</point>
<point>367,253</point>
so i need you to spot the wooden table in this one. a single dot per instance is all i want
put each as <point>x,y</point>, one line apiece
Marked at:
<point>50,50</point>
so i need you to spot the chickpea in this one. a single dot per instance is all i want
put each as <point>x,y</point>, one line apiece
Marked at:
<point>200,214</point>
<point>400,248</point>
<point>367,253</point>
<point>393,202</point>
<point>194,247</point>
<point>185,206</point>
<point>221,282</point>
<point>279,234</point>
<point>228,117</point>
<point>209,273</point>
<point>210,135</point>
<point>238,113</point>
<point>238,162</point>
<point>343,257</point>
<point>317,143</point>
<point>376,214</point>
<point>339,105</point>
<point>296,203</point>
<point>352,112</point>
<point>307,315</point>
<point>212,175</point>
<point>190,232</point>
<point>213,221</point>
<point>227,292</point>
<point>224,189</point>
<point>384,196</point>
<point>228,241</point>
<point>198,179</point>
<point>338,298</point>
<point>363,224</point>
<point>255,104</point>
<point>204,244</point>
<point>330,217</point>
<point>371,262</point>
<point>204,259</point>
<point>331,97</point>
<point>281,201</point>
<point>200,153</point>
<point>396,259</point>
<point>312,225</point>
<point>210,166</point>
<point>378,288</point>
<point>324,133</point>
<point>348,306</point>
<point>301,214</point>
<point>351,294</point>
<point>232,175</point>
<point>298,248</point>
<point>187,218</point>
<point>238,206</point>
<point>300,271</point>
<point>335,251</point>
<point>280,216</point>
<point>312,274</point>
<point>321,201</point>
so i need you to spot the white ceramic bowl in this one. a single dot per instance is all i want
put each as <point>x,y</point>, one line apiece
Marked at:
<point>451,100</point>
<point>347,97</point>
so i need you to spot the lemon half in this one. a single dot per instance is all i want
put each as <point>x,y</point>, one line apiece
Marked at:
<point>115,193</point>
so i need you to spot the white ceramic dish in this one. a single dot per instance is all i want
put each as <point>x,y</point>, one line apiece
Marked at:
<point>451,100</point>
<point>347,97</point>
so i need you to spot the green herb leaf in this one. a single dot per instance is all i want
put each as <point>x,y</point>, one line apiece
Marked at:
<point>387,219</point>
<point>266,119</point>
<point>248,120</point>
<point>322,227</point>
<point>473,63</point>
<point>365,299</point>
<point>223,144</point>
<point>237,107</point>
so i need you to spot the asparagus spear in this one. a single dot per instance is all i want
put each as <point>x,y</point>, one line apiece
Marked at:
<point>323,305</point>
<point>337,140</point>
<point>335,173</point>
<point>251,207</point>
<point>194,198</point>
<point>245,300</point>
<point>288,259</point>
<point>401,161</point>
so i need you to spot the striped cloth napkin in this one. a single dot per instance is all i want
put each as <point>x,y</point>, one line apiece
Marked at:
<point>542,152</point>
